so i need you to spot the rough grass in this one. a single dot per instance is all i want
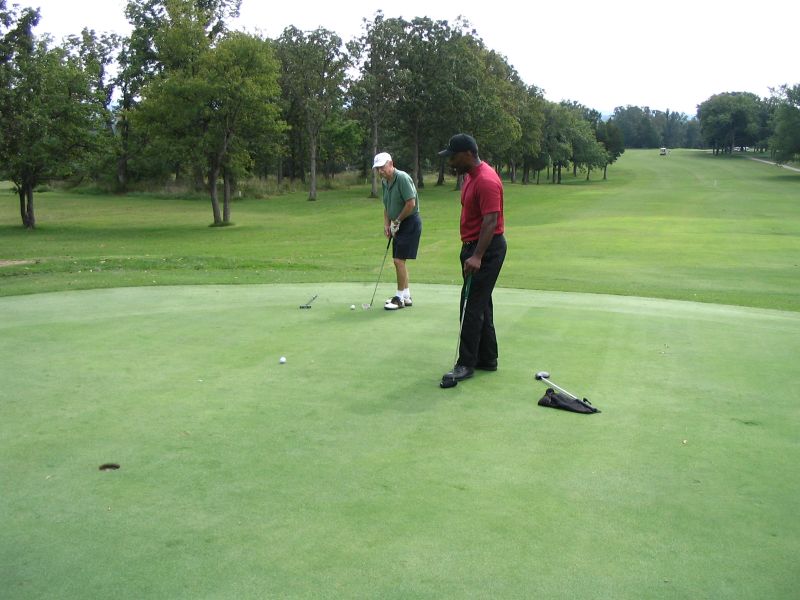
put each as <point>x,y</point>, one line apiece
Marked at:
<point>685,226</point>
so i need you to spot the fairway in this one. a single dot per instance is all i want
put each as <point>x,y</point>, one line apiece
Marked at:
<point>344,474</point>
<point>132,333</point>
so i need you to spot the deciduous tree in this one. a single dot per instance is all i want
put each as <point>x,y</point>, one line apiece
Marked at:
<point>313,70</point>
<point>374,94</point>
<point>50,118</point>
<point>785,142</point>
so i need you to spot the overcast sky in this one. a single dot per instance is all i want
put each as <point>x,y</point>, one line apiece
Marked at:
<point>666,55</point>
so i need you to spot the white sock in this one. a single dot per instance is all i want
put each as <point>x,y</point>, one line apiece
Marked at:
<point>399,293</point>
<point>406,293</point>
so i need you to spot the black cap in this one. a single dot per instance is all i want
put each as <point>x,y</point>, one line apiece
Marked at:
<point>460,142</point>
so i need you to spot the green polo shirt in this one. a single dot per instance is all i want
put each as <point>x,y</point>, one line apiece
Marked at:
<point>397,192</point>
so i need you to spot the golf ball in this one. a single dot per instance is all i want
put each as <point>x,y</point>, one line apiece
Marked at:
<point>282,360</point>
<point>352,307</point>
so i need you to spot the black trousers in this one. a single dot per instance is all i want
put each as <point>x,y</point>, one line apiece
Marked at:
<point>478,344</point>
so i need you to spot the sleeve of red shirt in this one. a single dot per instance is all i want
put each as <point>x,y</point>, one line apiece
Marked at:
<point>490,195</point>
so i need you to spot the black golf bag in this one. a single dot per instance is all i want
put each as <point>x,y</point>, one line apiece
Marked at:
<point>555,399</point>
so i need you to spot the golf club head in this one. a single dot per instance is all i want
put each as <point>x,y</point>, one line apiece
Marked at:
<point>448,382</point>
<point>542,375</point>
<point>308,304</point>
<point>366,306</point>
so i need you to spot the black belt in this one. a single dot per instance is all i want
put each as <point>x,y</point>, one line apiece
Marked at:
<point>473,242</point>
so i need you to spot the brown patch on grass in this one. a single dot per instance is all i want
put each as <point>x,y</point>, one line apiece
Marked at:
<point>12,263</point>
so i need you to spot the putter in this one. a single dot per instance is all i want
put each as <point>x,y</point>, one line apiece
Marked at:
<point>385,254</point>
<point>308,304</point>
<point>448,382</point>
<point>545,376</point>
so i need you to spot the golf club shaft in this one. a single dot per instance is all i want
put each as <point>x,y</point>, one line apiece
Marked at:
<point>463,314</point>
<point>385,254</point>
<point>560,389</point>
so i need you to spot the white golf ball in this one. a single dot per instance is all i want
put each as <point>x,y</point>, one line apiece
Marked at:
<point>352,307</point>
<point>282,360</point>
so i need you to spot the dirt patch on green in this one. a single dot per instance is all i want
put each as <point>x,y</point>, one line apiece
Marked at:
<point>11,263</point>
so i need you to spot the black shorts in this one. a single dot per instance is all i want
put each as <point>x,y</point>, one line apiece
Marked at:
<point>406,240</point>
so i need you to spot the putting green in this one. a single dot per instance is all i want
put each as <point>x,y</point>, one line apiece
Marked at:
<point>347,471</point>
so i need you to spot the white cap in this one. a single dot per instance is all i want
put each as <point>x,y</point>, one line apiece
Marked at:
<point>381,159</point>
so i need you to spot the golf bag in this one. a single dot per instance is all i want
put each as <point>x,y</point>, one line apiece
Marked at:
<point>555,399</point>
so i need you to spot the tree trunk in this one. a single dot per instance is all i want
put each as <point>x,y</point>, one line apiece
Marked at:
<point>122,172</point>
<point>199,184</point>
<point>26,211</point>
<point>374,191</point>
<point>513,171</point>
<point>440,180</point>
<point>416,158</point>
<point>31,213</point>
<point>226,196</point>
<point>312,139</point>
<point>213,176</point>
<point>124,156</point>
<point>23,211</point>
<point>605,172</point>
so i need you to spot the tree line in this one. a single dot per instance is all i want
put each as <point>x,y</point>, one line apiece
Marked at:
<point>184,98</point>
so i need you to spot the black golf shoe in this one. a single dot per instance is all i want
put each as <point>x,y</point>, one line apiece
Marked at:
<point>459,373</point>
<point>394,303</point>
<point>490,365</point>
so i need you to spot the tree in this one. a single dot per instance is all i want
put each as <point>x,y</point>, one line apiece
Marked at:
<point>674,129</point>
<point>587,152</point>
<point>427,70</point>
<point>785,142</point>
<point>95,54</point>
<point>556,142</point>
<point>50,119</point>
<point>694,138</point>
<point>214,112</point>
<point>638,127</point>
<point>374,94</point>
<point>532,124</point>
<point>498,105</point>
<point>611,137</point>
<point>729,120</point>
<point>146,53</point>
<point>313,69</point>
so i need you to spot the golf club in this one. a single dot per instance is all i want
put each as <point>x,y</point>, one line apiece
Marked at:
<point>385,254</point>
<point>448,382</point>
<point>545,376</point>
<point>308,304</point>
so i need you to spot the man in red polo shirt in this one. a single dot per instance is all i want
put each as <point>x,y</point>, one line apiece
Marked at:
<point>482,254</point>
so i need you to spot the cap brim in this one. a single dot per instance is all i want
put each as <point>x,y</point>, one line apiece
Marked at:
<point>446,152</point>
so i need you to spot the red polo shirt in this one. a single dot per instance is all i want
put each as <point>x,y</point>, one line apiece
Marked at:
<point>481,194</point>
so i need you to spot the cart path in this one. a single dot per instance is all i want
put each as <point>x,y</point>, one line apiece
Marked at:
<point>767,162</point>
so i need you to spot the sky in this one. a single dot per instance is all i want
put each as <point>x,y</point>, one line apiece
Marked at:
<point>603,54</point>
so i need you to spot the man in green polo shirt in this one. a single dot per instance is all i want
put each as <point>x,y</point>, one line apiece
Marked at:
<point>401,221</point>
